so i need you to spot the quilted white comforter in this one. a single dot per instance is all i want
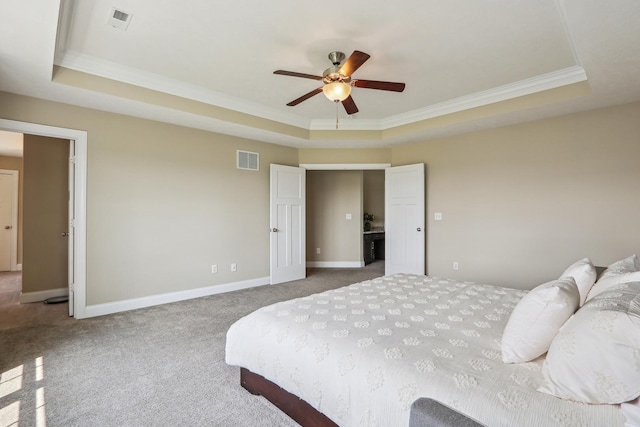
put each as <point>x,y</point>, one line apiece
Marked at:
<point>363,353</point>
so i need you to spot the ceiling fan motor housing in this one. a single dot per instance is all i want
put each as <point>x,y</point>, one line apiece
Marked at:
<point>332,75</point>
<point>336,58</point>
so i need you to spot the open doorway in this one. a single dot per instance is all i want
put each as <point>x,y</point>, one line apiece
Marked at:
<point>373,238</point>
<point>404,222</point>
<point>10,224</point>
<point>35,186</point>
<point>76,140</point>
<point>45,272</point>
<point>336,205</point>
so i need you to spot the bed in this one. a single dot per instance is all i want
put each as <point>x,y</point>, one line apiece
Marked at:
<point>361,355</point>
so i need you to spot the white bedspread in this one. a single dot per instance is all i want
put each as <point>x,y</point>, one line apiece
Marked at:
<point>363,353</point>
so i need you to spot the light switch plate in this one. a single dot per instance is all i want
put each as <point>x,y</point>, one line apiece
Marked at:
<point>348,216</point>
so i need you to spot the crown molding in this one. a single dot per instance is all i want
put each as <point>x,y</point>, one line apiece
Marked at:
<point>67,58</point>
<point>530,86</point>
<point>111,70</point>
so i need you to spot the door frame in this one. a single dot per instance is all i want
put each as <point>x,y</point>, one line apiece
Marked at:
<point>79,261</point>
<point>13,256</point>
<point>341,167</point>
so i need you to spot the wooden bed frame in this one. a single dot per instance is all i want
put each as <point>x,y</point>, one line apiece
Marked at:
<point>296,408</point>
<point>429,412</point>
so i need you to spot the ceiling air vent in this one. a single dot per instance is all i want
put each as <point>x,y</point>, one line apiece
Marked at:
<point>119,18</point>
<point>248,160</point>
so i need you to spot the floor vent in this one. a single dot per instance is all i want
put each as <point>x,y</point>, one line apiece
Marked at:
<point>119,18</point>
<point>248,160</point>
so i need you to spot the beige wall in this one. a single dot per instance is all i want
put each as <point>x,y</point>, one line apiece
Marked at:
<point>330,196</point>
<point>373,195</point>
<point>164,202</point>
<point>15,163</point>
<point>339,156</point>
<point>521,203</point>
<point>46,186</point>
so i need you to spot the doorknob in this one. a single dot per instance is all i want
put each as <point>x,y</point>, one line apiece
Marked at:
<point>65,234</point>
<point>7,227</point>
<point>275,230</point>
<point>419,229</point>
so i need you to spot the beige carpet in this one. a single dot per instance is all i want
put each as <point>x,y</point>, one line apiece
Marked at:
<point>157,366</point>
<point>13,314</point>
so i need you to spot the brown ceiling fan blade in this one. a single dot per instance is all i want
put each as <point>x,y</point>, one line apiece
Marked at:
<point>350,105</point>
<point>294,74</point>
<point>374,84</point>
<point>304,97</point>
<point>354,62</point>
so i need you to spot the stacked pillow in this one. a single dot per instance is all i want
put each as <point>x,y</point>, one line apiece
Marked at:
<point>540,314</point>
<point>593,356</point>
<point>596,356</point>
<point>584,273</point>
<point>623,271</point>
<point>536,319</point>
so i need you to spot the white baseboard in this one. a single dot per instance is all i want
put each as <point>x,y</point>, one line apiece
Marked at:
<point>132,304</point>
<point>335,264</point>
<point>18,267</point>
<point>27,297</point>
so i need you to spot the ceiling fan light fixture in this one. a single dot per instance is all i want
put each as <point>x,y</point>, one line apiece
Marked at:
<point>336,91</point>
<point>338,82</point>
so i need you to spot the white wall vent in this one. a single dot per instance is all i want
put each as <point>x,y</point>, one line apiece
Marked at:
<point>119,18</point>
<point>248,160</point>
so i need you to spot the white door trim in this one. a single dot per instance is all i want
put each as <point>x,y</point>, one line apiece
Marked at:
<point>71,225</point>
<point>13,257</point>
<point>80,200</point>
<point>344,166</point>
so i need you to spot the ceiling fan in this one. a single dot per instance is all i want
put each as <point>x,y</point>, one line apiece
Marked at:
<point>338,82</point>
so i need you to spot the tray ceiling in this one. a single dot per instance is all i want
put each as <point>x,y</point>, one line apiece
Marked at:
<point>466,64</point>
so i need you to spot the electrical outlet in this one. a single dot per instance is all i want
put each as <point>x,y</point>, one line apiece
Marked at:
<point>234,267</point>
<point>437,216</point>
<point>318,251</point>
<point>214,268</point>
<point>456,266</point>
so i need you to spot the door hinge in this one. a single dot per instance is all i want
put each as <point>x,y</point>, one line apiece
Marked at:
<point>72,287</point>
<point>72,159</point>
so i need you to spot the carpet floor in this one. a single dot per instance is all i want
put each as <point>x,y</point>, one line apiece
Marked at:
<point>156,366</point>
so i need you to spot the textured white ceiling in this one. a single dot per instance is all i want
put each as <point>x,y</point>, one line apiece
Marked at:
<point>224,53</point>
<point>440,49</point>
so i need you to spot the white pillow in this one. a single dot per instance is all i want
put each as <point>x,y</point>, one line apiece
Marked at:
<point>596,356</point>
<point>584,272</point>
<point>536,319</point>
<point>623,271</point>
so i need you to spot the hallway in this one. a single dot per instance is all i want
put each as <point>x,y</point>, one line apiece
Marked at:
<point>13,314</point>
